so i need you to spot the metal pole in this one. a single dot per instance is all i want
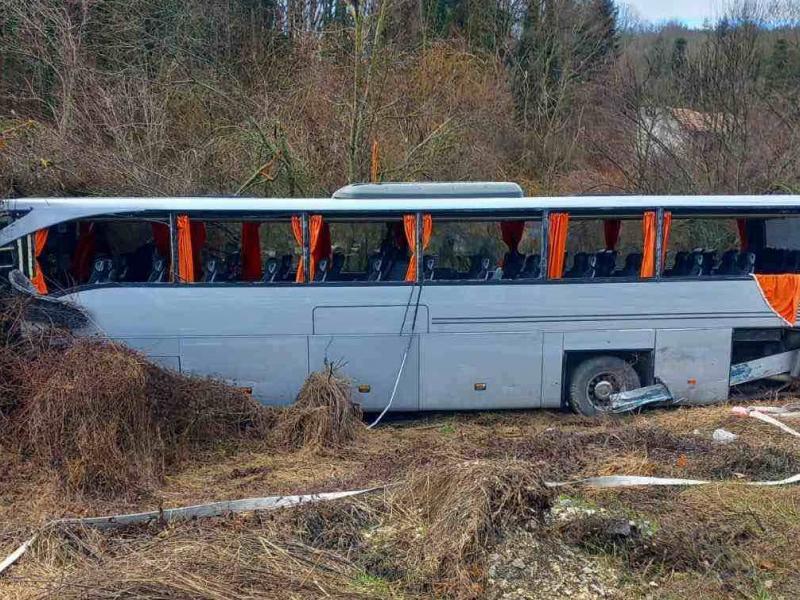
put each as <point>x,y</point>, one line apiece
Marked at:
<point>545,239</point>
<point>173,248</point>
<point>418,246</point>
<point>306,250</point>
<point>659,241</point>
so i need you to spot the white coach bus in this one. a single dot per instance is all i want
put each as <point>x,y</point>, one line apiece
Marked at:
<point>488,299</point>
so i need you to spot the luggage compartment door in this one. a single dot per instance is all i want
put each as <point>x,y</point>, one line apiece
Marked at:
<point>372,362</point>
<point>465,371</point>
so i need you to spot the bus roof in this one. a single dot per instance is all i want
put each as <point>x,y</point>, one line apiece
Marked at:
<point>45,212</point>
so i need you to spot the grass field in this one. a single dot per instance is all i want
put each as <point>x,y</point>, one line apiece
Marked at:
<point>464,515</point>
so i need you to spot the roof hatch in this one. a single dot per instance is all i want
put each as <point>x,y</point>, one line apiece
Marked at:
<point>378,191</point>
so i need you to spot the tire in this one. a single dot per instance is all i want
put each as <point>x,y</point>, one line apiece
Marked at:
<point>615,374</point>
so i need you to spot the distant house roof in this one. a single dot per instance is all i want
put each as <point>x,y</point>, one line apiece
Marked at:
<point>695,121</point>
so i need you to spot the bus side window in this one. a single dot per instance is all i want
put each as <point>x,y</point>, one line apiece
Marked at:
<point>370,251</point>
<point>100,252</point>
<point>602,248</point>
<point>233,251</point>
<point>780,244</point>
<point>481,250</point>
<point>708,247</point>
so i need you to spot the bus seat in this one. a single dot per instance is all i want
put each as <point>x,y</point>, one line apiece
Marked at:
<point>212,273</point>
<point>728,263</point>
<point>695,264</point>
<point>429,267</point>
<point>337,264</point>
<point>583,266</point>
<point>397,269</point>
<point>140,263</point>
<point>512,265</point>
<point>746,263</point>
<point>709,261</point>
<point>321,271</point>
<point>271,270</point>
<point>633,266</point>
<point>375,268</point>
<point>606,263</point>
<point>285,268</point>
<point>101,271</point>
<point>478,265</point>
<point>233,266</point>
<point>680,265</point>
<point>532,269</point>
<point>158,272</point>
<point>485,270</point>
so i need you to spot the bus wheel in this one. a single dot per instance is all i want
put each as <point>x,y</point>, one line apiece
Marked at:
<point>595,379</point>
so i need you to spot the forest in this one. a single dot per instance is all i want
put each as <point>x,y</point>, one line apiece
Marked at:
<point>299,97</point>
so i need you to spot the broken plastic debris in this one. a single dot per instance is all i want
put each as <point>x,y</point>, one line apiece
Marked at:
<point>723,436</point>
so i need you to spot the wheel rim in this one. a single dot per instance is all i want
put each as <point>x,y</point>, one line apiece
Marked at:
<point>600,388</point>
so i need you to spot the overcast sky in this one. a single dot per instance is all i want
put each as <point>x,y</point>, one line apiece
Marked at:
<point>692,12</point>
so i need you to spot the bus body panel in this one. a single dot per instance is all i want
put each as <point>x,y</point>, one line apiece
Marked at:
<point>481,370</point>
<point>372,363</point>
<point>269,337</point>
<point>273,367</point>
<point>694,364</point>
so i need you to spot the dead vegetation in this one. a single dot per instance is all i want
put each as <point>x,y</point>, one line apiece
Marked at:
<point>461,490</point>
<point>119,434</point>
<point>447,518</point>
<point>323,416</point>
<point>106,421</point>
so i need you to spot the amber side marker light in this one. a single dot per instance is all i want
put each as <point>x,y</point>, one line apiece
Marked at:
<point>364,388</point>
<point>480,387</point>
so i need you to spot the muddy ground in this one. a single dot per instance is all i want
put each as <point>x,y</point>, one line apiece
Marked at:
<point>718,541</point>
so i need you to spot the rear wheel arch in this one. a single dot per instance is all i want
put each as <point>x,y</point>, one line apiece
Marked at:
<point>591,377</point>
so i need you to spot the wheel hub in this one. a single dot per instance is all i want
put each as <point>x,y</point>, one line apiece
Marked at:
<point>603,390</point>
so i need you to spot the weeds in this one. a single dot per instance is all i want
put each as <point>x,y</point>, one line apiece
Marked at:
<point>323,416</point>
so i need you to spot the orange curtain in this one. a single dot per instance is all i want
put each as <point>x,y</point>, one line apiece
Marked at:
<point>251,252</point>
<point>512,232</point>
<point>741,225</point>
<point>611,228</point>
<point>186,271</point>
<point>297,230</point>
<point>84,252</point>
<point>40,241</point>
<point>557,244</point>
<point>319,243</point>
<point>410,226</point>
<point>648,268</point>
<point>782,293</point>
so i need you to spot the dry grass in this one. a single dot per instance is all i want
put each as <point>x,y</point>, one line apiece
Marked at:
<point>323,416</point>
<point>445,519</point>
<point>218,560</point>
<point>463,483</point>
<point>107,422</point>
